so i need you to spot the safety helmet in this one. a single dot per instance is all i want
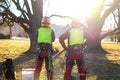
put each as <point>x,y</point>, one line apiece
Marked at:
<point>45,22</point>
<point>76,23</point>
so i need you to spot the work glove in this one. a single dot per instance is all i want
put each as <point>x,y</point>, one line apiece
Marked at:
<point>50,57</point>
<point>55,51</point>
<point>53,54</point>
<point>66,53</point>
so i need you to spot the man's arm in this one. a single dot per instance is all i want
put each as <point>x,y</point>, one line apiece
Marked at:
<point>53,36</point>
<point>62,39</point>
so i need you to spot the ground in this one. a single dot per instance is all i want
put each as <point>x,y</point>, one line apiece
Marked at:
<point>99,66</point>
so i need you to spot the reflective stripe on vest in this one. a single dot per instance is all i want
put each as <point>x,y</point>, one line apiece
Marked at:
<point>76,36</point>
<point>44,35</point>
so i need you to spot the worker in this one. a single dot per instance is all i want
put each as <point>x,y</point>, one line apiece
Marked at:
<point>74,48</point>
<point>45,38</point>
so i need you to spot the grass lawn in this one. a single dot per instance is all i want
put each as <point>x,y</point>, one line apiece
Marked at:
<point>99,66</point>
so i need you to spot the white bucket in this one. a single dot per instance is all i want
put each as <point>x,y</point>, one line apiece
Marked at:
<point>28,73</point>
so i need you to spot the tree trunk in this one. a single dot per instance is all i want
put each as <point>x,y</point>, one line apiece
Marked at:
<point>94,46</point>
<point>94,42</point>
<point>118,38</point>
<point>33,35</point>
<point>10,28</point>
<point>35,22</point>
<point>33,42</point>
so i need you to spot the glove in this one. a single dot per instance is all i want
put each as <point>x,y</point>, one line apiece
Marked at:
<point>55,51</point>
<point>50,57</point>
<point>65,52</point>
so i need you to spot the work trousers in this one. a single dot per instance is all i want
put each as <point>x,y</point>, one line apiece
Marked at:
<point>80,65</point>
<point>48,66</point>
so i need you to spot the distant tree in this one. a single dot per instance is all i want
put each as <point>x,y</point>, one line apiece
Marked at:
<point>118,24</point>
<point>115,35</point>
<point>29,16</point>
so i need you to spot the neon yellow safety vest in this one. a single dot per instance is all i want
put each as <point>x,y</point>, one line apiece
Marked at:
<point>76,36</point>
<point>44,35</point>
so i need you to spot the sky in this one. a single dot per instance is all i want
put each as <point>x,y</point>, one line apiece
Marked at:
<point>72,8</point>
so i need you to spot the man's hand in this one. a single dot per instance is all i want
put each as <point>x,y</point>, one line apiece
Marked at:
<point>50,57</point>
<point>55,51</point>
<point>65,52</point>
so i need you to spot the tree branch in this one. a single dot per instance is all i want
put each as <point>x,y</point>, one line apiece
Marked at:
<point>25,27</point>
<point>11,16</point>
<point>61,16</point>
<point>28,8</point>
<point>105,15</point>
<point>115,31</point>
<point>23,12</point>
<point>1,22</point>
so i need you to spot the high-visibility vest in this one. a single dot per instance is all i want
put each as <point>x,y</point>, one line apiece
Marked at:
<point>44,35</point>
<point>76,36</point>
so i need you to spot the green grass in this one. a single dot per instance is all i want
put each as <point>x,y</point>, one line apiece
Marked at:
<point>99,66</point>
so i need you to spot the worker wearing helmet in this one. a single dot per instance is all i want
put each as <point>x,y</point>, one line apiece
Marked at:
<point>74,50</point>
<point>45,38</point>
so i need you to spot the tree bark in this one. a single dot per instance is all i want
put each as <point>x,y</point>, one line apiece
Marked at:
<point>95,23</point>
<point>118,38</point>
<point>35,22</point>
<point>94,44</point>
<point>33,42</point>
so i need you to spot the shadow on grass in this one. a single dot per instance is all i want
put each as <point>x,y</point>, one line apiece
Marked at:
<point>100,68</point>
<point>28,61</point>
<point>23,61</point>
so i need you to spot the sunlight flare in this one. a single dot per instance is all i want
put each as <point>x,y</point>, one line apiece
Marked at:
<point>73,8</point>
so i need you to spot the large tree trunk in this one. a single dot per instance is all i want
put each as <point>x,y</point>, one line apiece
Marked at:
<point>35,22</point>
<point>32,35</point>
<point>94,42</point>
<point>33,42</point>
<point>94,27</point>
